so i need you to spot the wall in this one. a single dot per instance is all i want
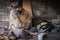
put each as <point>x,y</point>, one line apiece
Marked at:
<point>44,10</point>
<point>4,13</point>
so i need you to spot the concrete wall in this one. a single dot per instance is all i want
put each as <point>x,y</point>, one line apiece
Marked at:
<point>45,11</point>
<point>4,13</point>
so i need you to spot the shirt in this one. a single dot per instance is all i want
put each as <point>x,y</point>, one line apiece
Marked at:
<point>14,21</point>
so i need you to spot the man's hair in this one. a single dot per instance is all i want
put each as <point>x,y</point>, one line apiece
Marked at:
<point>11,1</point>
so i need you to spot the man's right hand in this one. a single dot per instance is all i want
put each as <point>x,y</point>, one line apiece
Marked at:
<point>33,34</point>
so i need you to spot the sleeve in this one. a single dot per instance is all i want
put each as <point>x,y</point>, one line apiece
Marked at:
<point>13,23</point>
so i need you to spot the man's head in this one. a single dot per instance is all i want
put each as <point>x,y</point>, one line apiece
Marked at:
<point>16,3</point>
<point>20,8</point>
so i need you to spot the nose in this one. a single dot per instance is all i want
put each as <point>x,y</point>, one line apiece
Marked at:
<point>19,9</point>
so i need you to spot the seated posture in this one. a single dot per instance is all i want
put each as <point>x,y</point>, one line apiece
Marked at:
<point>19,19</point>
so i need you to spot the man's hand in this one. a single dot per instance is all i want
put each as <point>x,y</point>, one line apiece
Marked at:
<point>33,34</point>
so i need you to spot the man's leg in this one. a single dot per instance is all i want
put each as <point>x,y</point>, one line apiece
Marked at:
<point>18,32</point>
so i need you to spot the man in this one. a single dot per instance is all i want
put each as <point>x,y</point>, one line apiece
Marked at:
<point>19,18</point>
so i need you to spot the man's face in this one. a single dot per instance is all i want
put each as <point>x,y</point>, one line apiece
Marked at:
<point>19,9</point>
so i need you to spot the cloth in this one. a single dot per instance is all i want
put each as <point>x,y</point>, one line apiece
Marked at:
<point>18,32</point>
<point>40,36</point>
<point>14,22</point>
<point>21,33</point>
<point>33,29</point>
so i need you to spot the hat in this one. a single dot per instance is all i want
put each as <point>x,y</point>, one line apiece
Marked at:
<point>13,2</point>
<point>16,2</point>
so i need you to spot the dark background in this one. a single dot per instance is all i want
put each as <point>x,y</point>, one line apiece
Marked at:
<point>47,10</point>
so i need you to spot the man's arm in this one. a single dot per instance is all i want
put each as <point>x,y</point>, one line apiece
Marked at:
<point>12,19</point>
